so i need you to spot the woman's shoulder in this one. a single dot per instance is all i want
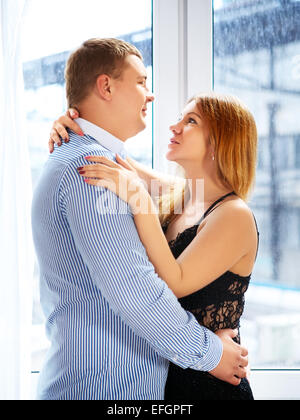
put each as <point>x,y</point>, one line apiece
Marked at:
<point>234,206</point>
<point>233,221</point>
<point>234,213</point>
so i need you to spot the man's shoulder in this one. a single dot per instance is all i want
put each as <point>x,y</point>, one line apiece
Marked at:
<point>73,154</point>
<point>61,167</point>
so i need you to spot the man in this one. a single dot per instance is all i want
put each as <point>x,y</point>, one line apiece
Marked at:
<point>112,322</point>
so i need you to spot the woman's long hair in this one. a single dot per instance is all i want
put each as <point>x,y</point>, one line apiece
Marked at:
<point>233,136</point>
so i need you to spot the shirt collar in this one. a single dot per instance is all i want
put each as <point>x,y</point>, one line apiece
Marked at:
<point>103,137</point>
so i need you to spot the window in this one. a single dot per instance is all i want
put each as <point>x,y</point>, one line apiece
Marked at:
<point>62,25</point>
<point>256,49</point>
<point>223,45</point>
<point>247,48</point>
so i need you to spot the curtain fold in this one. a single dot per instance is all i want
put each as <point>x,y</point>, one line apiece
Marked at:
<point>16,249</point>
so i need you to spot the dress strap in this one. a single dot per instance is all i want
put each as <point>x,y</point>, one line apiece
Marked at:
<point>257,235</point>
<point>214,204</point>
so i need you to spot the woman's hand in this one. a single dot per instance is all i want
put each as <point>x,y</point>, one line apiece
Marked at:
<point>59,133</point>
<point>120,178</point>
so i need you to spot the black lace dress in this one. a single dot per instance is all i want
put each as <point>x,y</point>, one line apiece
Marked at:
<point>217,306</point>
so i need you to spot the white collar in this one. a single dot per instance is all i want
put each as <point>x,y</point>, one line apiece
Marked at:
<point>103,137</point>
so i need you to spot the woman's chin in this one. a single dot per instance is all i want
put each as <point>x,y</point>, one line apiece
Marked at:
<point>169,156</point>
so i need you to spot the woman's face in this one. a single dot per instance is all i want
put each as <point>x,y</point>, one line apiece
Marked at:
<point>190,141</point>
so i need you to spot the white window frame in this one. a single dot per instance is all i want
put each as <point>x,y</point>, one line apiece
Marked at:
<point>183,66</point>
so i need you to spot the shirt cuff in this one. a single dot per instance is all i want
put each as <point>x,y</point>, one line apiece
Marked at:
<point>211,359</point>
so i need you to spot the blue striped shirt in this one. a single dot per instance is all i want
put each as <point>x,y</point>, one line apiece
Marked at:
<point>113,324</point>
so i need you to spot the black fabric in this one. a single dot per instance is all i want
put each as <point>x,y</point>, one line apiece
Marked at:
<point>217,306</point>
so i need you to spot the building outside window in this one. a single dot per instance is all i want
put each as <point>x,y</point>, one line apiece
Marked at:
<point>257,58</point>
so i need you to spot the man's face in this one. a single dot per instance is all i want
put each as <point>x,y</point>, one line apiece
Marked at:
<point>132,96</point>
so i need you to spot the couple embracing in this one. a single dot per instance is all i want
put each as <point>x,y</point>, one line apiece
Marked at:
<point>143,303</point>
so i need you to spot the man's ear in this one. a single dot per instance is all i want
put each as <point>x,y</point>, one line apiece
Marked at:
<point>103,86</point>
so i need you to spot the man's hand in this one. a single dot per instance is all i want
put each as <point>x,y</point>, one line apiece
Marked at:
<point>233,365</point>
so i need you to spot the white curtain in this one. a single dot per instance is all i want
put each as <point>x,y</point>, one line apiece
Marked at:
<point>16,250</point>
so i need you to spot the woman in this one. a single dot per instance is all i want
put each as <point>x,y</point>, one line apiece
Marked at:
<point>206,257</point>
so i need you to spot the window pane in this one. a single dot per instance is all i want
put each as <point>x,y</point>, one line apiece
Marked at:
<point>62,25</point>
<point>257,58</point>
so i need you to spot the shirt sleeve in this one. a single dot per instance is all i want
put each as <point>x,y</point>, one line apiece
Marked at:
<point>103,229</point>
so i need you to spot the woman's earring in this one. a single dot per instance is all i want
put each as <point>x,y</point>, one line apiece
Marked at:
<point>213,158</point>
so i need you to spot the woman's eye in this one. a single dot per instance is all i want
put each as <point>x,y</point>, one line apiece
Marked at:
<point>192,121</point>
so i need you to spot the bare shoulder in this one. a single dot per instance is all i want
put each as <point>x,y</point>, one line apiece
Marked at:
<point>232,222</point>
<point>236,207</point>
<point>234,213</point>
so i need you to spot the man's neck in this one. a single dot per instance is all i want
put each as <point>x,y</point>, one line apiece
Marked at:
<point>102,136</point>
<point>102,117</point>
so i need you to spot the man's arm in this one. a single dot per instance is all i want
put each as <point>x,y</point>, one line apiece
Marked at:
<point>105,234</point>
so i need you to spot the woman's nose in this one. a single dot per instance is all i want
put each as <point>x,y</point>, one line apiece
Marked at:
<point>175,128</point>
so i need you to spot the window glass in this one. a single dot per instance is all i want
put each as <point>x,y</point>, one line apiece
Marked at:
<point>51,30</point>
<point>257,58</point>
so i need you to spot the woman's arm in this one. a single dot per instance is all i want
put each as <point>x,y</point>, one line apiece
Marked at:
<point>221,243</point>
<point>156,245</point>
<point>155,181</point>
<point>59,132</point>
